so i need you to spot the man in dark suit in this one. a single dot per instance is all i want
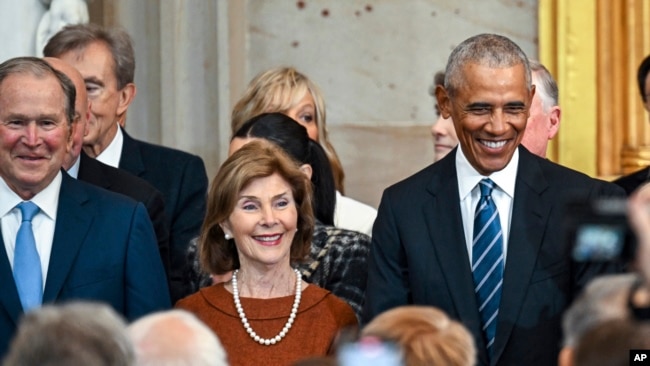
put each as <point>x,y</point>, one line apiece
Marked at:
<point>634,180</point>
<point>81,166</point>
<point>82,242</point>
<point>105,58</point>
<point>428,242</point>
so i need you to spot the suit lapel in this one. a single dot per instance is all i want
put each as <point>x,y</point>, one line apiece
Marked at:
<point>90,171</point>
<point>530,213</point>
<point>131,158</point>
<point>9,294</point>
<point>73,221</point>
<point>445,226</point>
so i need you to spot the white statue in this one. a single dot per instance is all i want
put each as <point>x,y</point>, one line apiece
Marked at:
<point>60,14</point>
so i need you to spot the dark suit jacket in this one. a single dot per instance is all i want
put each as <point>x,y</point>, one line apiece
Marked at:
<point>182,180</point>
<point>419,256</point>
<point>634,180</point>
<point>119,181</point>
<point>104,249</point>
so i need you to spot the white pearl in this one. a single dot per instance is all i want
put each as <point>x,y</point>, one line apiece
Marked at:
<point>287,326</point>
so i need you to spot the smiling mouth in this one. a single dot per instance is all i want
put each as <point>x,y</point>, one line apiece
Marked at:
<point>493,144</point>
<point>268,239</point>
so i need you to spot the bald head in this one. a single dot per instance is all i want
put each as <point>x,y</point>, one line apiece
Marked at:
<point>81,108</point>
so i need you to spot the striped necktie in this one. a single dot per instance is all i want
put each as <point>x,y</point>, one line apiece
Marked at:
<point>27,263</point>
<point>487,261</point>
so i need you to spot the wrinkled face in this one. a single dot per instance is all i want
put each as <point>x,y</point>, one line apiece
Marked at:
<point>264,222</point>
<point>96,65</point>
<point>305,114</point>
<point>34,132</point>
<point>537,131</point>
<point>444,137</point>
<point>489,111</point>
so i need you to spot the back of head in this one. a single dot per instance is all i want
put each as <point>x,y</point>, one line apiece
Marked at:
<point>75,334</point>
<point>257,159</point>
<point>609,343</point>
<point>426,335</point>
<point>293,139</point>
<point>492,50</point>
<point>641,76</point>
<point>174,338</point>
<point>75,38</point>
<point>604,298</point>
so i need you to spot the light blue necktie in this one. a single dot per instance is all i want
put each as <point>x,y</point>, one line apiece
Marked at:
<point>487,261</point>
<point>27,263</point>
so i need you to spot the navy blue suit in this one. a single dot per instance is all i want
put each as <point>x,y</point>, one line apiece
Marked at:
<point>104,249</point>
<point>183,182</point>
<point>419,256</point>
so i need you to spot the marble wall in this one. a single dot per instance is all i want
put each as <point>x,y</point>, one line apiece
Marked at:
<point>373,59</point>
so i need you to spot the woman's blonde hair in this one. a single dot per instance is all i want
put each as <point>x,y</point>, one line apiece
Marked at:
<point>278,90</point>
<point>256,159</point>
<point>426,335</point>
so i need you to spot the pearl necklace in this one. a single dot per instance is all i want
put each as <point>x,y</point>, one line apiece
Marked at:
<point>287,326</point>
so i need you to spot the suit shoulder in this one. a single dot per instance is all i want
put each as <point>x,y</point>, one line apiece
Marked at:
<point>98,195</point>
<point>159,152</point>
<point>571,179</point>
<point>633,180</point>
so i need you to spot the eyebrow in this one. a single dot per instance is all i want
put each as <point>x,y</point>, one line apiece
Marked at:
<point>39,117</point>
<point>93,80</point>
<point>272,198</point>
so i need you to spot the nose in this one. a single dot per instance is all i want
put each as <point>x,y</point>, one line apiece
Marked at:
<point>498,121</point>
<point>268,217</point>
<point>437,129</point>
<point>31,134</point>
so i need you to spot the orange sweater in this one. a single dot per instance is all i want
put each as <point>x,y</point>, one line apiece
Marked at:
<point>320,317</point>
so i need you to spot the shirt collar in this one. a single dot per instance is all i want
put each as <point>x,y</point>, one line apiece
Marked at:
<point>468,177</point>
<point>111,155</point>
<point>47,199</point>
<point>74,169</point>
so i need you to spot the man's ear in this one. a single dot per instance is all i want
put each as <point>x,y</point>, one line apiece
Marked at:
<point>307,170</point>
<point>127,94</point>
<point>444,104</point>
<point>554,121</point>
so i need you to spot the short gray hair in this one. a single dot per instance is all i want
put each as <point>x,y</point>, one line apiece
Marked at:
<point>492,50</point>
<point>73,334</point>
<point>175,337</point>
<point>546,87</point>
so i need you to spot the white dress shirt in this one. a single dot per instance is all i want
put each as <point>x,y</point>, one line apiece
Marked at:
<point>74,169</point>
<point>502,195</point>
<point>42,224</point>
<point>111,155</point>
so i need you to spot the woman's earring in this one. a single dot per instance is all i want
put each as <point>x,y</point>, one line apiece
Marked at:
<point>227,236</point>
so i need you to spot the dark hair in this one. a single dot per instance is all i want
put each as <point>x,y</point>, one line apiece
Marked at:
<point>257,159</point>
<point>77,37</point>
<point>641,75</point>
<point>41,69</point>
<point>292,137</point>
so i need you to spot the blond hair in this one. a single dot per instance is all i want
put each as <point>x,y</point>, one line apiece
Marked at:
<point>426,335</point>
<point>278,90</point>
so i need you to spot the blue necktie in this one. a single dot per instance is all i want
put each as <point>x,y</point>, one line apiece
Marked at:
<point>27,263</point>
<point>487,261</point>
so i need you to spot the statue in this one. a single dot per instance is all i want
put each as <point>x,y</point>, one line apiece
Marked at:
<point>60,14</point>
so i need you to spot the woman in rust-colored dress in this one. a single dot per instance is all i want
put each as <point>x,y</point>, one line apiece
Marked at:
<point>259,223</point>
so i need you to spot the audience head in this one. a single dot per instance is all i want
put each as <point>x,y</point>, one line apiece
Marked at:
<point>609,343</point>
<point>73,334</point>
<point>285,90</point>
<point>603,299</point>
<point>37,106</point>
<point>487,93</point>
<point>81,106</point>
<point>643,81</point>
<point>292,138</point>
<point>426,335</point>
<point>105,58</point>
<point>442,130</point>
<point>544,121</point>
<point>257,169</point>
<point>175,337</point>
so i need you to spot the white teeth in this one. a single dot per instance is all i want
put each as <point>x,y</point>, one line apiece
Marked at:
<point>493,144</point>
<point>268,238</point>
